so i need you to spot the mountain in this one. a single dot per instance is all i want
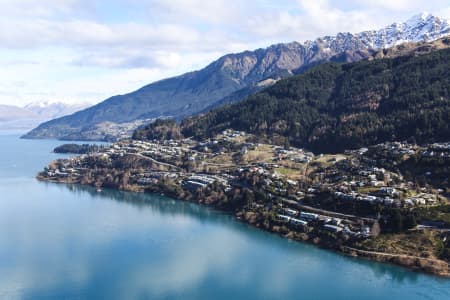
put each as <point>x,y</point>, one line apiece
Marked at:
<point>235,76</point>
<point>29,116</point>
<point>50,110</point>
<point>341,106</point>
<point>11,113</point>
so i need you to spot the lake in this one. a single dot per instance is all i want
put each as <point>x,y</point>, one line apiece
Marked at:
<point>70,242</point>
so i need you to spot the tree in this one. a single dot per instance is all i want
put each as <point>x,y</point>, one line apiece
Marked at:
<point>397,221</point>
<point>287,144</point>
<point>375,230</point>
<point>249,197</point>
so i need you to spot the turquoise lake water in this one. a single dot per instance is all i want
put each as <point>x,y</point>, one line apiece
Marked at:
<point>70,242</point>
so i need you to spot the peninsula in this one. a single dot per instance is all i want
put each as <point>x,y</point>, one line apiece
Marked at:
<point>351,157</point>
<point>382,202</point>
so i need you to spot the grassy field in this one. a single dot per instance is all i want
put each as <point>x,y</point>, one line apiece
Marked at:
<point>328,160</point>
<point>259,155</point>
<point>415,243</point>
<point>225,158</point>
<point>292,174</point>
<point>437,213</point>
<point>368,189</point>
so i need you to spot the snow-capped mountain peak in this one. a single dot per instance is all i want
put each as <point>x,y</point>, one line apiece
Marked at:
<point>54,109</point>
<point>421,27</point>
<point>420,19</point>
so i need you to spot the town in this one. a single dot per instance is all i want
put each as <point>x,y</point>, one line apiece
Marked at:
<point>370,199</point>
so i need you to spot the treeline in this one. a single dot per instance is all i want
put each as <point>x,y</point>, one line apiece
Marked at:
<point>161,129</point>
<point>342,106</point>
<point>78,149</point>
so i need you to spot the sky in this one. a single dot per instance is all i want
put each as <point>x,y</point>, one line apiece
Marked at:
<point>84,51</point>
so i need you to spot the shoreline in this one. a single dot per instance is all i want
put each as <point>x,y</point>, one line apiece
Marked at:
<point>430,266</point>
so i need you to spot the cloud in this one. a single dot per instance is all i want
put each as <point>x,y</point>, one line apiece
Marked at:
<point>317,18</point>
<point>79,39</point>
<point>446,13</point>
<point>41,8</point>
<point>18,62</point>
<point>398,5</point>
<point>135,59</point>
<point>88,34</point>
<point>383,4</point>
<point>213,11</point>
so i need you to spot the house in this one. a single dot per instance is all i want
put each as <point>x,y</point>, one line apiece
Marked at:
<point>291,182</point>
<point>409,202</point>
<point>146,181</point>
<point>312,191</point>
<point>309,216</point>
<point>335,221</point>
<point>376,183</point>
<point>192,185</point>
<point>297,222</point>
<point>388,201</point>
<point>283,218</point>
<point>369,198</point>
<point>291,212</point>
<point>332,228</point>
<point>388,191</point>
<point>267,181</point>
<point>198,181</point>
<point>365,231</point>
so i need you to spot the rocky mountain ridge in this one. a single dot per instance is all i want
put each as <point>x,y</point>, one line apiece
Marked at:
<point>233,77</point>
<point>334,107</point>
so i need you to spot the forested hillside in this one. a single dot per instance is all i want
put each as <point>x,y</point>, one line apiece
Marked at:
<point>339,106</point>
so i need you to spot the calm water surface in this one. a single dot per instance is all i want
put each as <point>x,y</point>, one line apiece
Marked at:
<point>71,242</point>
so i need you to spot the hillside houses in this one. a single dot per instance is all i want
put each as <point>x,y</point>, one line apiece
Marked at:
<point>194,182</point>
<point>310,221</point>
<point>293,154</point>
<point>322,195</point>
<point>438,150</point>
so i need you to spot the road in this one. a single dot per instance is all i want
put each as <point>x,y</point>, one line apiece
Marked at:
<point>332,213</point>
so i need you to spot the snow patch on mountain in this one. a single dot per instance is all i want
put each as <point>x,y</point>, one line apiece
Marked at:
<point>422,27</point>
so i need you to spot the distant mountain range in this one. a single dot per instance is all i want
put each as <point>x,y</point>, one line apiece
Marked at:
<point>233,77</point>
<point>29,116</point>
<point>11,113</point>
<point>51,110</point>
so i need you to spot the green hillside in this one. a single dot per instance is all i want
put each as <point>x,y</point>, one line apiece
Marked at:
<point>338,106</point>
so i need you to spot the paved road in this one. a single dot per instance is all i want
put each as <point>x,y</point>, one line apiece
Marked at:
<point>333,214</point>
<point>155,161</point>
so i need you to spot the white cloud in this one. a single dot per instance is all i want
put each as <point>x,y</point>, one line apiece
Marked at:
<point>41,8</point>
<point>318,18</point>
<point>399,5</point>
<point>46,42</point>
<point>384,4</point>
<point>78,33</point>
<point>445,13</point>
<point>213,11</point>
